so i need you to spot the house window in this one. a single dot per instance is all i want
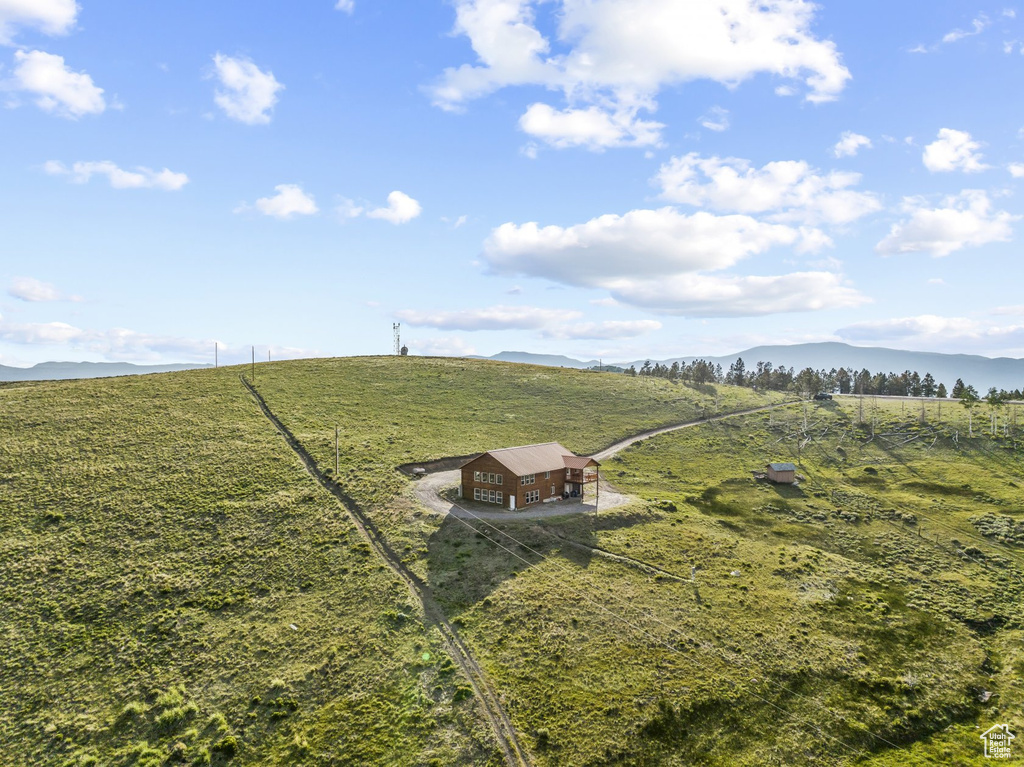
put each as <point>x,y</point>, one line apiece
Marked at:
<point>476,476</point>
<point>499,497</point>
<point>476,493</point>
<point>490,479</point>
<point>499,479</point>
<point>528,479</point>
<point>532,496</point>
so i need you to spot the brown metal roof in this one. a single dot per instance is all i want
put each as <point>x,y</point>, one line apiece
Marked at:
<point>579,461</point>
<point>533,459</point>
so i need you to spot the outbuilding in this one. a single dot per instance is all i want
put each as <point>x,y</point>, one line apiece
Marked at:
<point>782,473</point>
<point>514,477</point>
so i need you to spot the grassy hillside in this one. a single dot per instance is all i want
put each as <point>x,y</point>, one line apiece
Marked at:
<point>175,587</point>
<point>158,539</point>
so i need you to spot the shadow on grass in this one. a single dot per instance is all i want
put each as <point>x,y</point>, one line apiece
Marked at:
<point>469,559</point>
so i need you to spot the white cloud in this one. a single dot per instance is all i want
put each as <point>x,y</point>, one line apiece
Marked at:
<point>647,243</point>
<point>1016,169</point>
<point>401,209</point>
<point>1009,13</point>
<point>290,201</point>
<point>56,88</point>
<point>791,190</point>
<point>953,150</point>
<point>849,144</point>
<point>247,94</point>
<point>655,259</point>
<point>977,27</point>
<point>52,17</point>
<point>490,318</point>
<point>602,331</point>
<point>698,295</point>
<point>139,178</point>
<point>31,289</point>
<point>618,55</point>
<point>936,281</point>
<point>592,128</point>
<point>964,220</point>
<point>716,119</point>
<point>345,5</point>
<point>931,331</point>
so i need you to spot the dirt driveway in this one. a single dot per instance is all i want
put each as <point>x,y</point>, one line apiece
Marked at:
<point>428,488</point>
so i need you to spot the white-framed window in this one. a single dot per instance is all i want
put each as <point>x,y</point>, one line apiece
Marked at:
<point>528,479</point>
<point>547,475</point>
<point>532,496</point>
<point>476,476</point>
<point>492,496</point>
<point>499,478</point>
<point>499,497</point>
<point>490,479</point>
<point>476,493</point>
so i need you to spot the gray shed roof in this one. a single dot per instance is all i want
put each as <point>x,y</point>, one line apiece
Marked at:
<point>531,459</point>
<point>782,466</point>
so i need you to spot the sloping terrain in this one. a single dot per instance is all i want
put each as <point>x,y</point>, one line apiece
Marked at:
<point>176,587</point>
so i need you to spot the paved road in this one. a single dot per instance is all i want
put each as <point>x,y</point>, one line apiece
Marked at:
<point>429,487</point>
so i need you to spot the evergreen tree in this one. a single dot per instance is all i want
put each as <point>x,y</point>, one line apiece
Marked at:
<point>928,385</point>
<point>958,389</point>
<point>941,391</point>
<point>844,380</point>
<point>737,373</point>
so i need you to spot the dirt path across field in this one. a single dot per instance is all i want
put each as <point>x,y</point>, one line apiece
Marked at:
<point>516,755</point>
<point>429,487</point>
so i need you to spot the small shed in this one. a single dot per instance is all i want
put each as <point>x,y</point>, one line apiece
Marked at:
<point>782,473</point>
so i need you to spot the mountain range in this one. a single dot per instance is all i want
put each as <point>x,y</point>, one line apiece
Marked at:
<point>56,371</point>
<point>980,372</point>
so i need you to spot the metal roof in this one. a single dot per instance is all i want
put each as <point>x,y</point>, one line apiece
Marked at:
<point>782,466</point>
<point>533,459</point>
<point>578,461</point>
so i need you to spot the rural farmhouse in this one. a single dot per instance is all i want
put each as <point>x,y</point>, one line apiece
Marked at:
<point>514,477</point>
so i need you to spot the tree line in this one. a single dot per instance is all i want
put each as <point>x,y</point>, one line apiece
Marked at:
<point>766,376</point>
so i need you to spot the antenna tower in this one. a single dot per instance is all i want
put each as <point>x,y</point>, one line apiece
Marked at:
<point>397,328</point>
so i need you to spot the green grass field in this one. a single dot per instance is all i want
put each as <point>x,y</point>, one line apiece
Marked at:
<point>160,539</point>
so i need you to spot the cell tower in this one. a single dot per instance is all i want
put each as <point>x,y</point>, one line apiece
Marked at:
<point>397,328</point>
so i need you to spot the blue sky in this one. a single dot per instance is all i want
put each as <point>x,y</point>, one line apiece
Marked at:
<point>599,178</point>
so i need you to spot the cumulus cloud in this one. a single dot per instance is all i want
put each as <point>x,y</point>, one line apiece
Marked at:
<point>247,94</point>
<point>290,201</point>
<point>657,259</point>
<point>54,87</point>
<point>52,17</point>
<point>849,144</point>
<point>716,119</point>
<point>618,55</point>
<point>401,209</point>
<point>961,221</point>
<point>953,150</point>
<point>345,5</point>
<point>592,127</point>
<point>490,318</point>
<point>139,178</point>
<point>789,190</point>
<point>649,243</point>
<point>1016,169</point>
<point>31,289</point>
<point>700,295</point>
